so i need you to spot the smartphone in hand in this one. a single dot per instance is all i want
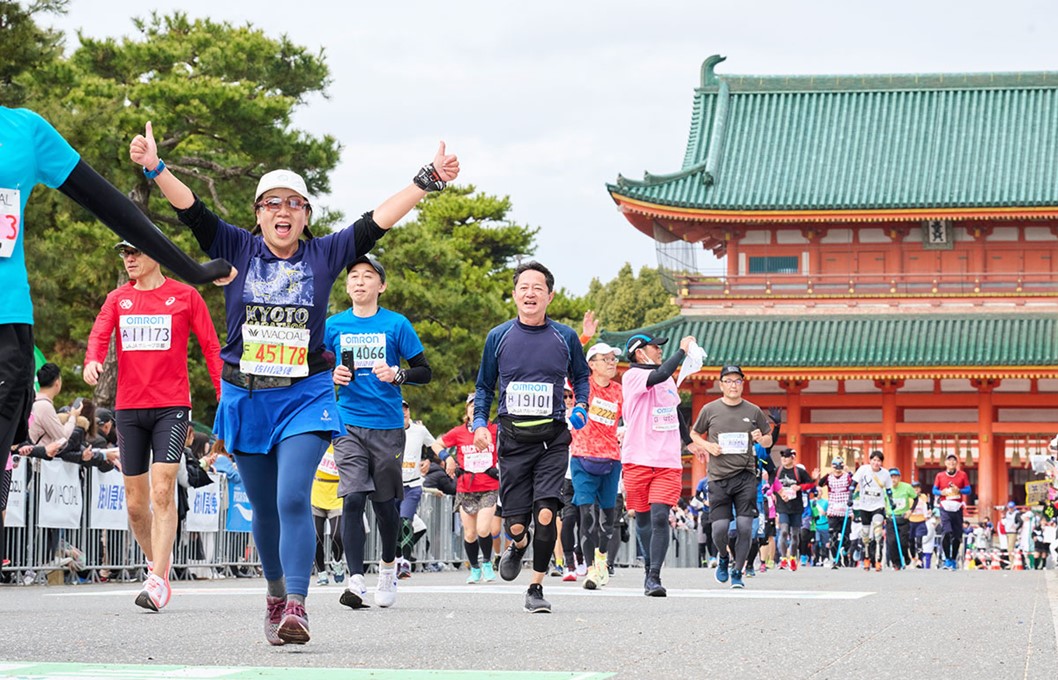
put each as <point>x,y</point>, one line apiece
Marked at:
<point>349,361</point>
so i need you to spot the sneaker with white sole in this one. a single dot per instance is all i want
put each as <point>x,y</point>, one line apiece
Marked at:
<point>294,626</point>
<point>155,594</point>
<point>386,590</point>
<point>487,573</point>
<point>475,575</point>
<point>338,569</point>
<point>274,607</point>
<point>570,575</point>
<point>582,569</point>
<point>355,592</point>
<point>322,579</point>
<point>602,569</point>
<point>534,600</point>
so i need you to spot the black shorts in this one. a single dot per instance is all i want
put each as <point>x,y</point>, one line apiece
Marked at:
<point>532,471</point>
<point>151,434</point>
<point>369,461</point>
<point>16,385</point>
<point>739,491</point>
<point>769,529</point>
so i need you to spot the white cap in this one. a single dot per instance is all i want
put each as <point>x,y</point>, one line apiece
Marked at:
<point>282,179</point>
<point>602,348</point>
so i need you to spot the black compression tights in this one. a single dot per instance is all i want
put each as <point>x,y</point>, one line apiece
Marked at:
<point>387,518</point>
<point>336,540</point>
<point>744,526</point>
<point>653,531</point>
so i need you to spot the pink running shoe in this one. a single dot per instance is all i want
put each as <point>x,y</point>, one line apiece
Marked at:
<point>273,615</point>
<point>294,628</point>
<point>155,594</point>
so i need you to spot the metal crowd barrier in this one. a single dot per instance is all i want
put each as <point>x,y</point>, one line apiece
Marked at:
<point>39,554</point>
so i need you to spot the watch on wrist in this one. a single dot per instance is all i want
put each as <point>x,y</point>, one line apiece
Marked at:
<point>158,169</point>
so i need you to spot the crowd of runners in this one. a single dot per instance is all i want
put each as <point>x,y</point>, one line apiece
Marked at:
<point>312,410</point>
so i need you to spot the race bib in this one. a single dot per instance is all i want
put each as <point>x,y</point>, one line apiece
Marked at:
<point>145,332</point>
<point>530,398</point>
<point>275,350</point>
<point>478,461</point>
<point>10,220</point>
<point>602,411</point>
<point>366,348</point>
<point>789,493</point>
<point>950,505</point>
<point>664,419</point>
<point>327,465</point>
<point>899,503</point>
<point>734,442</point>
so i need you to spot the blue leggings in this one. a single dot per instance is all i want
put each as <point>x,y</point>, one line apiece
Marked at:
<point>279,485</point>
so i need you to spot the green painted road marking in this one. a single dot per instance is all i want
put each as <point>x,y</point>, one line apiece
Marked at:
<point>87,671</point>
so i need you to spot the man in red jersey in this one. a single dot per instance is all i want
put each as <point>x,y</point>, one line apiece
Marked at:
<point>951,485</point>
<point>153,316</point>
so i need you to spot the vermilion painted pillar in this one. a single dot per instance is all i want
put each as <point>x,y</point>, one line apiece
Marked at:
<point>988,494</point>
<point>889,436</point>
<point>792,427</point>
<point>699,397</point>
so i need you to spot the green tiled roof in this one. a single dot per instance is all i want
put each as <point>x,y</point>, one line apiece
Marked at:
<point>864,142</point>
<point>896,341</point>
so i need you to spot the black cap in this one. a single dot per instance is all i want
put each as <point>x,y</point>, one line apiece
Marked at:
<point>104,416</point>
<point>787,453</point>
<point>367,259</point>
<point>727,370</point>
<point>951,455</point>
<point>641,340</point>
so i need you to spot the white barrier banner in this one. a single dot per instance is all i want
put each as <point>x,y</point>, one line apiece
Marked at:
<point>106,496</point>
<point>61,500</point>
<point>16,497</point>
<point>203,507</point>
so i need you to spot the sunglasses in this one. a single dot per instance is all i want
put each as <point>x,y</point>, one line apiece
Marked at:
<point>128,252</point>
<point>275,203</point>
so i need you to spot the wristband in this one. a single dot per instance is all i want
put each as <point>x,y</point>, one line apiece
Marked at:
<point>159,169</point>
<point>428,179</point>
<point>399,376</point>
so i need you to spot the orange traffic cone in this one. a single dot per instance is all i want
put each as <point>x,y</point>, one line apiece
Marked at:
<point>971,561</point>
<point>1018,565</point>
<point>996,564</point>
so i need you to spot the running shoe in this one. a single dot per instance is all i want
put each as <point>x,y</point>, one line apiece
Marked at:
<point>736,580</point>
<point>322,579</point>
<point>556,570</point>
<point>386,590</point>
<point>721,573</point>
<point>652,585</point>
<point>750,573</point>
<point>273,615</point>
<point>511,560</point>
<point>582,569</point>
<point>155,594</point>
<point>866,565</point>
<point>763,567</point>
<point>403,569</point>
<point>878,565</point>
<point>338,569</point>
<point>534,600</point>
<point>294,627</point>
<point>782,563</point>
<point>487,573</point>
<point>354,593</point>
<point>602,569</point>
<point>570,575</point>
<point>591,579</point>
<point>793,564</point>
<point>475,575</point>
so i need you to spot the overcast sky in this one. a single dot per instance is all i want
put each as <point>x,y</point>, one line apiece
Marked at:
<point>548,101</point>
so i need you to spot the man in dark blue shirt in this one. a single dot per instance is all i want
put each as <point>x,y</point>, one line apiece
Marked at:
<point>531,357</point>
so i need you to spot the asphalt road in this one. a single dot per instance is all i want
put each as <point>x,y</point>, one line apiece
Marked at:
<point>814,623</point>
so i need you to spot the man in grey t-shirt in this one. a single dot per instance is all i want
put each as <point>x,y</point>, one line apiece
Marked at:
<point>725,432</point>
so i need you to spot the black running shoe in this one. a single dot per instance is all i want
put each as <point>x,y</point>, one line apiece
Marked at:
<point>534,599</point>
<point>511,561</point>
<point>652,586</point>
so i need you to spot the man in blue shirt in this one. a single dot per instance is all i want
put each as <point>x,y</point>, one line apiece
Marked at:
<point>530,358</point>
<point>369,343</point>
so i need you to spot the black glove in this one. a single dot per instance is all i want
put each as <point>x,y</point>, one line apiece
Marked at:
<point>850,500</point>
<point>776,414</point>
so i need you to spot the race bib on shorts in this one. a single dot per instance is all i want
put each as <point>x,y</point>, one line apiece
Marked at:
<point>734,442</point>
<point>950,505</point>
<point>530,398</point>
<point>664,419</point>
<point>477,461</point>
<point>145,332</point>
<point>602,411</point>
<point>10,220</point>
<point>275,350</point>
<point>366,348</point>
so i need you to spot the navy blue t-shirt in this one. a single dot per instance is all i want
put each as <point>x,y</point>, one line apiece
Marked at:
<point>531,364</point>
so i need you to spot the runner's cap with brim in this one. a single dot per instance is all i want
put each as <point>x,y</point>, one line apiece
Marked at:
<point>601,348</point>
<point>641,340</point>
<point>367,259</point>
<point>283,179</point>
<point>124,244</point>
<point>728,370</point>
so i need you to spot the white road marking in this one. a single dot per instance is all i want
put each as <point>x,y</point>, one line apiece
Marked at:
<point>559,593</point>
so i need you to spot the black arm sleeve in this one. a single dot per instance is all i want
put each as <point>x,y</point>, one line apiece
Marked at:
<point>202,222</point>
<point>774,436</point>
<point>366,233</point>
<point>418,371</point>
<point>665,370</point>
<point>685,429</point>
<point>89,190</point>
